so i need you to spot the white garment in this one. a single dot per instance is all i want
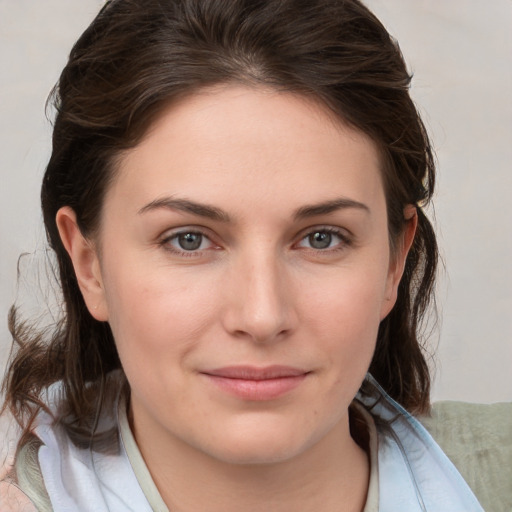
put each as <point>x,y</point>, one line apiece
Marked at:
<point>414,475</point>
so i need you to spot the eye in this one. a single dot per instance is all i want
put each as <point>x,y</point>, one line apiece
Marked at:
<point>322,239</point>
<point>187,242</point>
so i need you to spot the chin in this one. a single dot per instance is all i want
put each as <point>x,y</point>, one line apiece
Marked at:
<point>257,454</point>
<point>261,443</point>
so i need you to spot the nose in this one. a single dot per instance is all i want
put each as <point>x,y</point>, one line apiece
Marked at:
<point>260,305</point>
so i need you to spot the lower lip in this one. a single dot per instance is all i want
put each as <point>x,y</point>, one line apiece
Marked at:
<point>258,390</point>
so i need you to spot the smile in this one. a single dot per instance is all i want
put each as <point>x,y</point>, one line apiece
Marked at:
<point>257,384</point>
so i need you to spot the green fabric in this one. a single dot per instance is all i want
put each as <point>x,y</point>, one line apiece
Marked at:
<point>478,440</point>
<point>28,474</point>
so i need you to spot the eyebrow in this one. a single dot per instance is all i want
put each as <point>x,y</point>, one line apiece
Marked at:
<point>214,213</point>
<point>184,205</point>
<point>329,207</point>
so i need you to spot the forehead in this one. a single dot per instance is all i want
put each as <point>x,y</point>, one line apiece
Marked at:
<point>235,142</point>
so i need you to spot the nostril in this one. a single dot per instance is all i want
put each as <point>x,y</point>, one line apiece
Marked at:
<point>259,325</point>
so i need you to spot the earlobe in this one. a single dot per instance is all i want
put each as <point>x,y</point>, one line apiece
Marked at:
<point>85,261</point>
<point>397,264</point>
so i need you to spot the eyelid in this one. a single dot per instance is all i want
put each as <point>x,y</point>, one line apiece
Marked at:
<point>170,234</point>
<point>346,237</point>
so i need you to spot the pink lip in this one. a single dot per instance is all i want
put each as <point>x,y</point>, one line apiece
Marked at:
<point>259,384</point>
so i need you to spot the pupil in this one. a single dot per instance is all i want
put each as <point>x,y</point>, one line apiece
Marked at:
<point>190,241</point>
<point>320,240</point>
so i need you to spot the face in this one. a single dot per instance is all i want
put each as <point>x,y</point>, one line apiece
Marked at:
<point>244,267</point>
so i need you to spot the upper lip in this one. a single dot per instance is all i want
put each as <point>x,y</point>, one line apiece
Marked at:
<point>256,373</point>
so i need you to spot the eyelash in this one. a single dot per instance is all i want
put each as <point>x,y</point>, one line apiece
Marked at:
<point>345,241</point>
<point>166,243</point>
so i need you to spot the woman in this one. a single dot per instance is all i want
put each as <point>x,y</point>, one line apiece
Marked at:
<point>235,202</point>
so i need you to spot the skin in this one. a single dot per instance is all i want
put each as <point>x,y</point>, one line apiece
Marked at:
<point>259,291</point>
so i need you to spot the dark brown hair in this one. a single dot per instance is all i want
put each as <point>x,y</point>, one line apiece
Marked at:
<point>135,58</point>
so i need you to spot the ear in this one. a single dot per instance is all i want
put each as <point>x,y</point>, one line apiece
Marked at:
<point>397,263</point>
<point>85,261</point>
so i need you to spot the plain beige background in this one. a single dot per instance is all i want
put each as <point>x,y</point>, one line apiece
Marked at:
<point>460,52</point>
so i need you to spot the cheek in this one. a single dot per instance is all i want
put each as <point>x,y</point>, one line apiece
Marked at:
<point>344,315</point>
<point>343,320</point>
<point>350,299</point>
<point>155,313</point>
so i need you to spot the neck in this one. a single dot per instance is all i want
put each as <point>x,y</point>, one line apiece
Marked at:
<point>332,475</point>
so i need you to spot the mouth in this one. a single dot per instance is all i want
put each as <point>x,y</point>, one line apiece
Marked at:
<point>256,384</point>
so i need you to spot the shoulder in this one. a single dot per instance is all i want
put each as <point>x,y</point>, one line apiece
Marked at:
<point>477,438</point>
<point>21,486</point>
<point>84,471</point>
<point>414,473</point>
<point>12,498</point>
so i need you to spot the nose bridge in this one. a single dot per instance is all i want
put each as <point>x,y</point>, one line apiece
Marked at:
<point>261,305</point>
